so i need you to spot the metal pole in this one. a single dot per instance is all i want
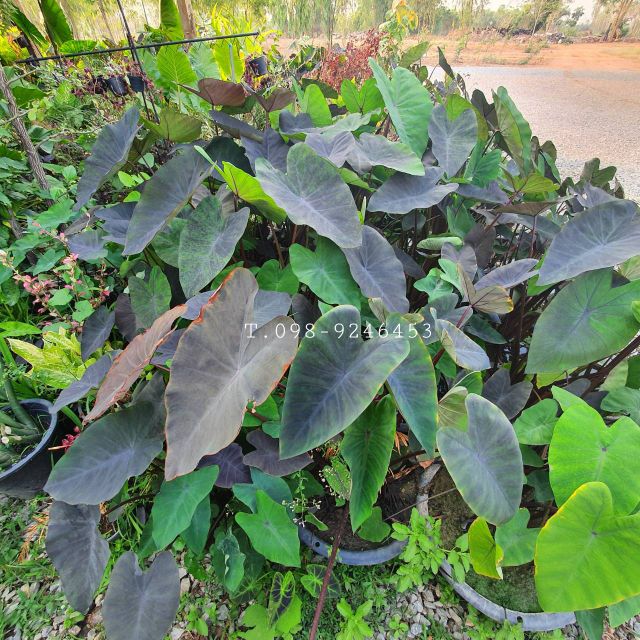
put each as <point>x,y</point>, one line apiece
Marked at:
<point>155,45</point>
<point>134,55</point>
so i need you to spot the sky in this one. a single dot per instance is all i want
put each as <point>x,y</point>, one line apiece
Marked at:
<point>586,4</point>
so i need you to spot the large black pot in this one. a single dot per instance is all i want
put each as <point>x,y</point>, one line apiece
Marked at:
<point>27,477</point>
<point>117,85</point>
<point>352,558</point>
<point>136,82</point>
<point>259,65</point>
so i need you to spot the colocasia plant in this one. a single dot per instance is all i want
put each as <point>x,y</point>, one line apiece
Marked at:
<point>414,264</point>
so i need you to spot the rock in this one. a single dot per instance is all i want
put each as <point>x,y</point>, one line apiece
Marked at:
<point>185,585</point>
<point>415,629</point>
<point>75,630</point>
<point>223,612</point>
<point>176,633</point>
<point>182,572</point>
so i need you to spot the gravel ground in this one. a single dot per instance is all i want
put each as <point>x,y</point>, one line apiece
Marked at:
<point>586,113</point>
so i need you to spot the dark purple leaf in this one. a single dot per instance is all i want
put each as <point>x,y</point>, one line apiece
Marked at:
<point>233,470</point>
<point>267,458</point>
<point>96,330</point>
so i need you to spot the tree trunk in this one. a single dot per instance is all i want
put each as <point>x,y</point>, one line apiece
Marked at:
<point>105,19</point>
<point>623,8</point>
<point>186,17</point>
<point>21,131</point>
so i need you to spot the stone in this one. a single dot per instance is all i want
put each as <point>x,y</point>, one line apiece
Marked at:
<point>415,629</point>
<point>185,585</point>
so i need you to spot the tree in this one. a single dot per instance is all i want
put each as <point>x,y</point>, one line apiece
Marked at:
<point>620,10</point>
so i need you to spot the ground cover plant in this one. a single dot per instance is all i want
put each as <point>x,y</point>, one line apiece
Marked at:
<point>291,307</point>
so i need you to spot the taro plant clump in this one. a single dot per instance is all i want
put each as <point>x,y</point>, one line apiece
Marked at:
<point>411,273</point>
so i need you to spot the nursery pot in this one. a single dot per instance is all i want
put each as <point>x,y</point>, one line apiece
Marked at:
<point>499,613</point>
<point>117,85</point>
<point>136,82</point>
<point>259,65</point>
<point>352,558</point>
<point>27,476</point>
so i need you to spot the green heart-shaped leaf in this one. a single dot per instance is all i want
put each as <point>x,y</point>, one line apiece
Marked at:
<point>586,555</point>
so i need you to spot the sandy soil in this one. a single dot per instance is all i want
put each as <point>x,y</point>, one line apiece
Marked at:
<point>490,50</point>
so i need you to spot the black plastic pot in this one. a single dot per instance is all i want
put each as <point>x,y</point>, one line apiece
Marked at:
<point>529,621</point>
<point>27,477</point>
<point>259,65</point>
<point>352,558</point>
<point>117,85</point>
<point>136,82</point>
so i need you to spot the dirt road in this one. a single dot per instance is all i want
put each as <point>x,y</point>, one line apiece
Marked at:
<point>587,113</point>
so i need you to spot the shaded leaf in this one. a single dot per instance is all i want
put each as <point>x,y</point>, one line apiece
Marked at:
<point>312,192</point>
<point>366,447</point>
<point>402,193</point>
<point>77,551</point>
<point>587,321</point>
<point>164,195</point>
<point>234,367</point>
<point>150,298</point>
<point>377,271</point>
<point>96,330</point>
<point>139,604</point>
<point>484,461</point>
<point>272,148</point>
<point>334,377</point>
<point>602,236</point>
<point>92,377</point>
<point>104,456</point>
<point>452,140</point>
<point>207,243</point>
<point>371,151</point>
<point>108,154</point>
<point>510,399</point>
<point>230,461</point>
<point>266,457</point>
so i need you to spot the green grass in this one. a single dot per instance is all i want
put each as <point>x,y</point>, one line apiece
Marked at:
<point>29,575</point>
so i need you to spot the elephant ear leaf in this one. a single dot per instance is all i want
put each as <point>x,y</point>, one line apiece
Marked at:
<point>267,458</point>
<point>586,555</point>
<point>164,195</point>
<point>234,366</point>
<point>452,140</point>
<point>587,321</point>
<point>584,449</point>
<point>95,331</point>
<point>367,446</point>
<point>141,604</point>
<point>510,398</point>
<point>207,243</point>
<point>106,454</point>
<point>55,22</point>
<point>333,379</point>
<point>77,550</point>
<point>486,555</point>
<point>601,236</point>
<point>377,270</point>
<point>108,154</point>
<point>408,103</point>
<point>312,192</point>
<point>170,22</point>
<point>129,364</point>
<point>485,461</point>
